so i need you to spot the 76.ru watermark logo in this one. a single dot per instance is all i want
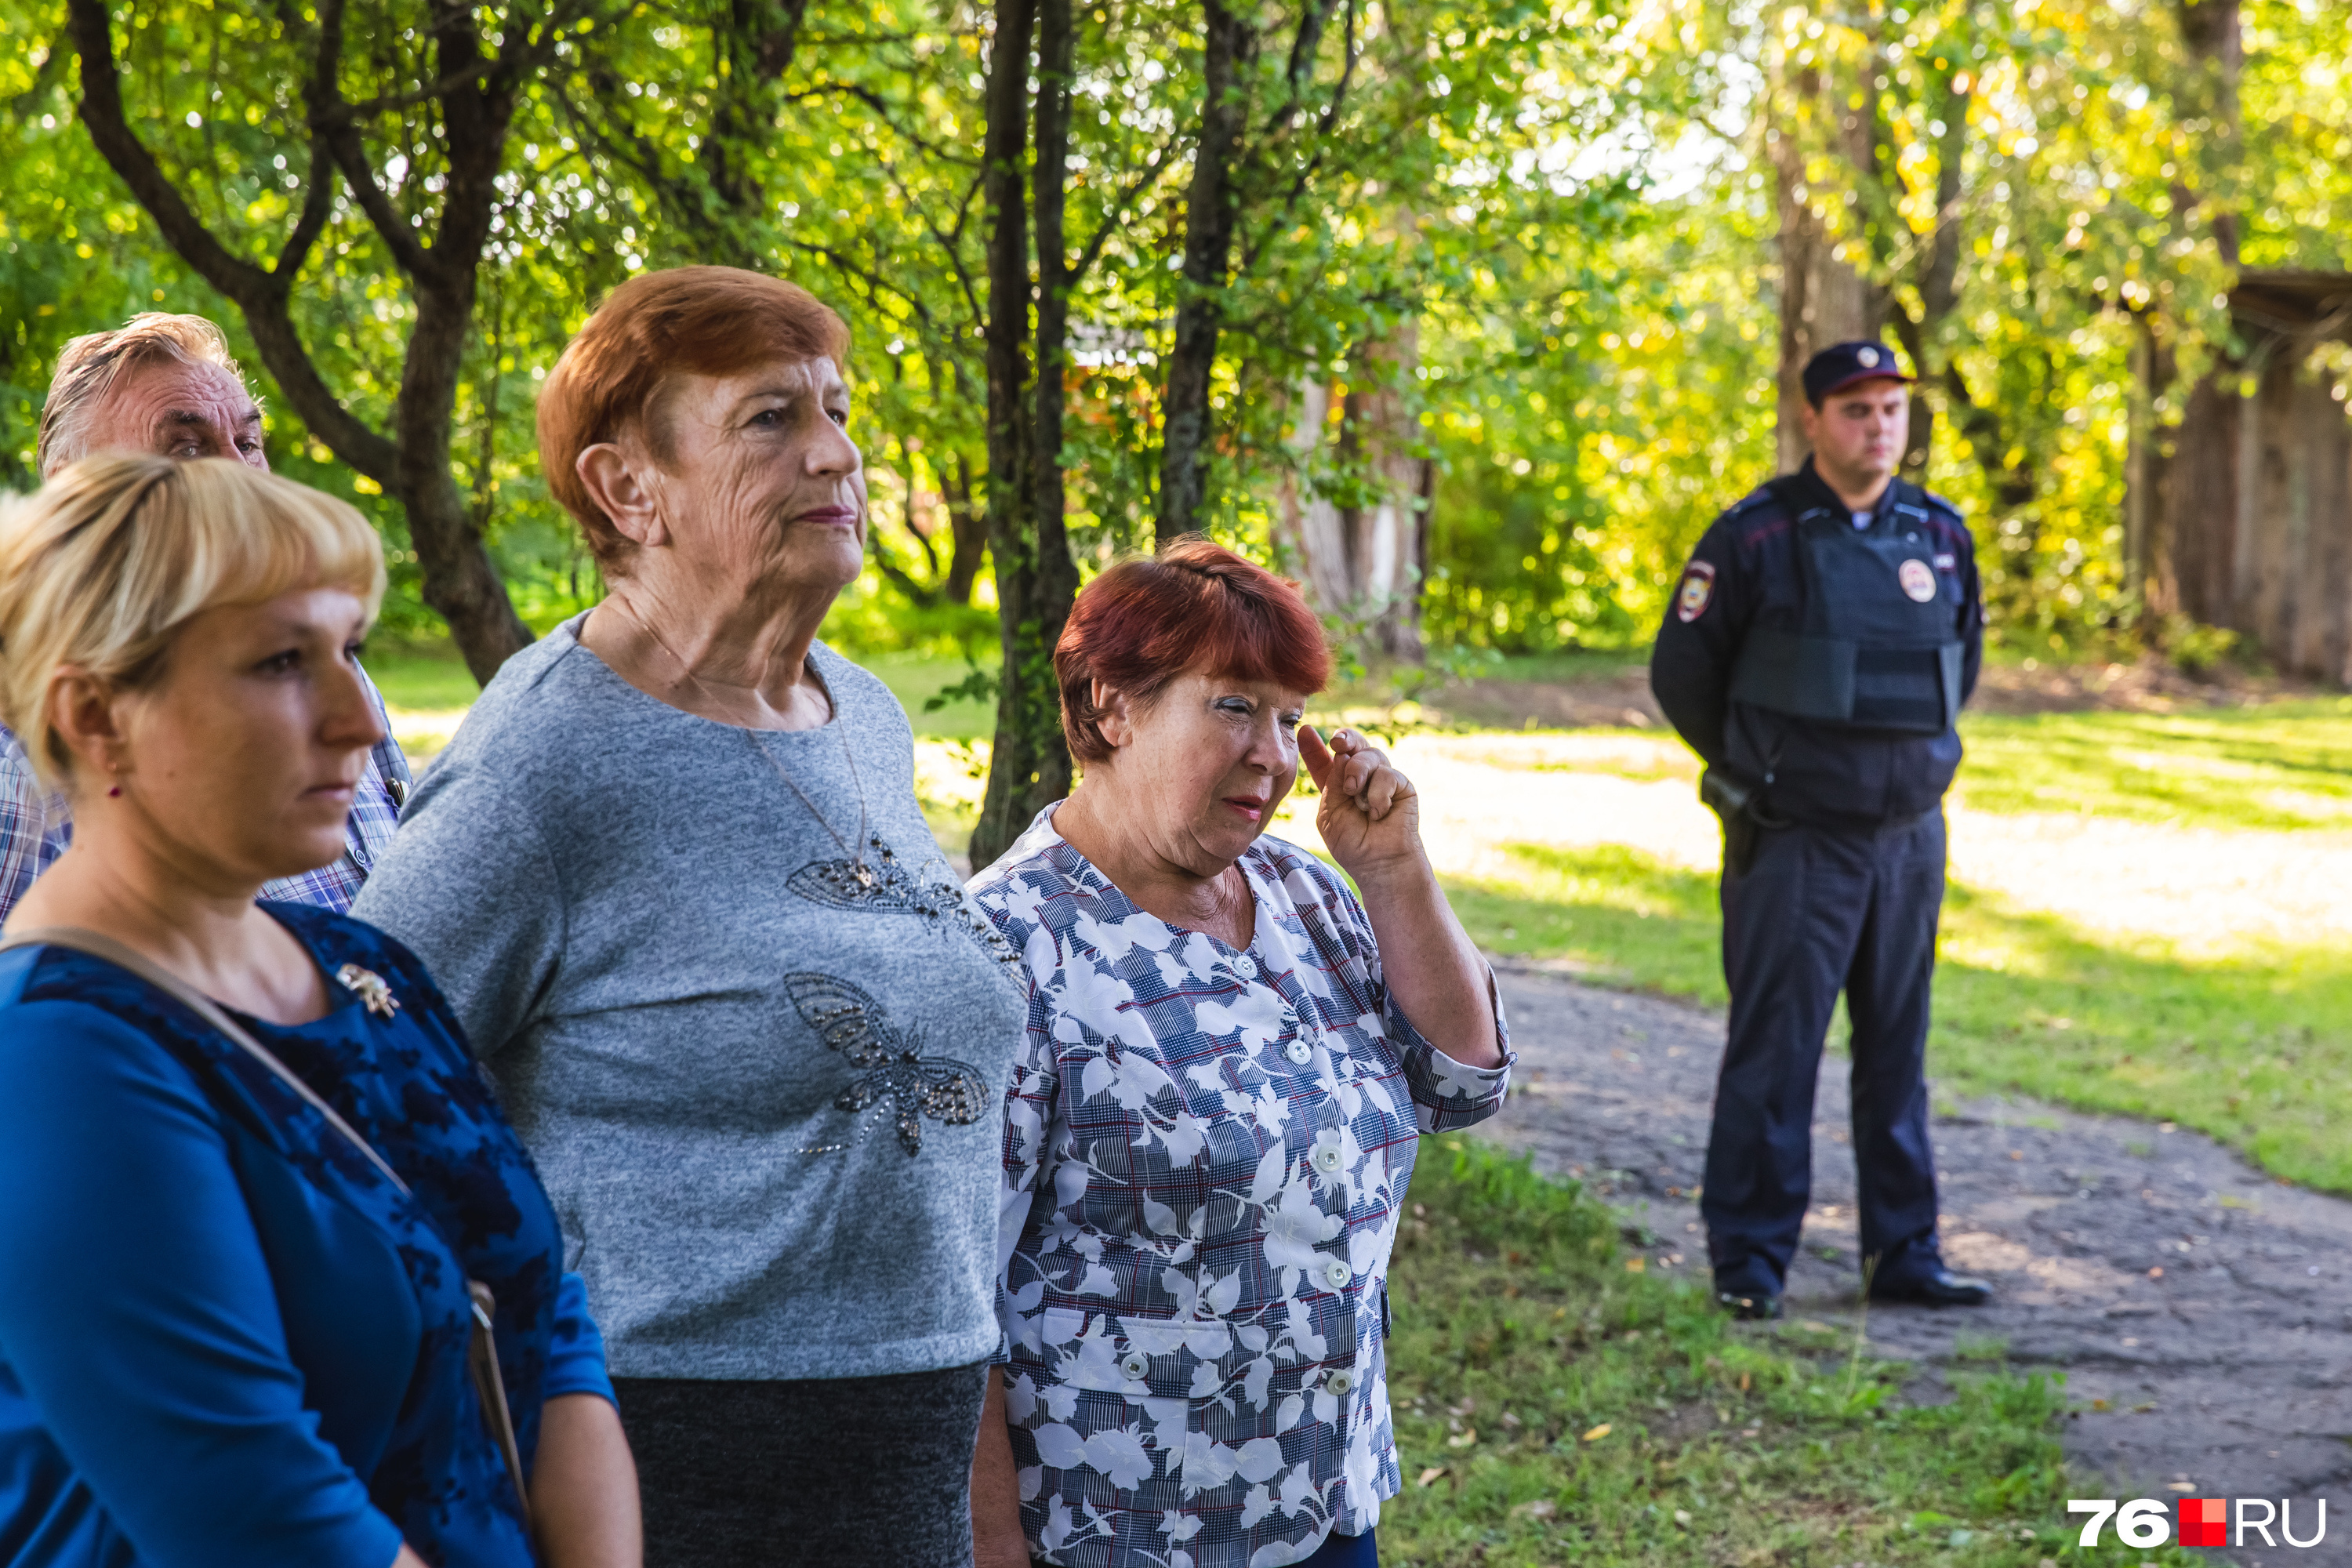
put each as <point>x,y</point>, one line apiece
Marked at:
<point>2203,1521</point>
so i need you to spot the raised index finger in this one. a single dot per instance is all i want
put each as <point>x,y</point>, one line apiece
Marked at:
<point>1315,754</point>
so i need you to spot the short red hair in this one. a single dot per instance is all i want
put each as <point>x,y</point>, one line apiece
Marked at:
<point>1193,606</point>
<point>692,320</point>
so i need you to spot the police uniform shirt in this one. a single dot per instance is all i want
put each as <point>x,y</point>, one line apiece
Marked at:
<point>1746,577</point>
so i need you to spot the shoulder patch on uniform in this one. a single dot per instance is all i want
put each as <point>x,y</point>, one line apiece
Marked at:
<point>1695,592</point>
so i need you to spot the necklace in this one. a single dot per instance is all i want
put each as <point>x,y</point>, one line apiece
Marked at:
<point>856,852</point>
<point>858,866</point>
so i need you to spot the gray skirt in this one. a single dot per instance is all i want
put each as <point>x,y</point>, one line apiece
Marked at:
<point>846,1472</point>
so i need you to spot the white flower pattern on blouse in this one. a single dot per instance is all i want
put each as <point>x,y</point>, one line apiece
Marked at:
<point>1205,1153</point>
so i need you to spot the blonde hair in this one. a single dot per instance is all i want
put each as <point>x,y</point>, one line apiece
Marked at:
<point>101,566</point>
<point>91,365</point>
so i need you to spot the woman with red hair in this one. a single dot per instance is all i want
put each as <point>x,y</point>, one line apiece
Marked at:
<point>1211,1121</point>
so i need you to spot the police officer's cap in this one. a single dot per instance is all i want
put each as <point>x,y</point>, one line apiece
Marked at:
<point>1840,365</point>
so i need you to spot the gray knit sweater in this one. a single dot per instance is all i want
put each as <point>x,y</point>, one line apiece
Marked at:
<point>764,1088</point>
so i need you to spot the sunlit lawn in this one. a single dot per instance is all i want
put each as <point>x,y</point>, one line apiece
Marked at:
<point>2151,914</point>
<point>429,691</point>
<point>2255,1049</point>
<point>2285,765</point>
<point>2175,945</point>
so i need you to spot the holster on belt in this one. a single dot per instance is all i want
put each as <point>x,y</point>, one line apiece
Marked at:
<point>1742,814</point>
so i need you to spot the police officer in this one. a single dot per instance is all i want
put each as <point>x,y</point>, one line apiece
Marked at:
<point>1819,647</point>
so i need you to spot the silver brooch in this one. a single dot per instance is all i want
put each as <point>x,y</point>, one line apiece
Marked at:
<point>369,986</point>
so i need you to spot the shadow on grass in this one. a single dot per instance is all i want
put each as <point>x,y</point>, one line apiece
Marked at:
<point>1553,1405</point>
<point>2256,1051</point>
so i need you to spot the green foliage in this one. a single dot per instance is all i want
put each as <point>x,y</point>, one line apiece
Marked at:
<point>1577,1411</point>
<point>1571,207</point>
<point>870,618</point>
<point>1613,381</point>
<point>2193,649</point>
<point>1588,430</point>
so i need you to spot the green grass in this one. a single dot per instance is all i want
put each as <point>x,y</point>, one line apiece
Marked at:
<point>2255,1048</point>
<point>915,679</point>
<point>430,677</point>
<point>1567,664</point>
<point>435,678</point>
<point>2281,766</point>
<point>1520,1333</point>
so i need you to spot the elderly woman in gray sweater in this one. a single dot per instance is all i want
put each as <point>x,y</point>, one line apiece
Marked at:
<point>672,874</point>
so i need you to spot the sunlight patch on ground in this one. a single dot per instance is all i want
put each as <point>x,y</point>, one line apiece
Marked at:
<point>2211,891</point>
<point>423,732</point>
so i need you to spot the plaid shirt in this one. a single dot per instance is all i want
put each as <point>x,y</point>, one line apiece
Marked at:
<point>1205,1155</point>
<point>35,826</point>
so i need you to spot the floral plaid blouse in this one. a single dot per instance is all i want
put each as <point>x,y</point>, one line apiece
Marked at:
<point>1205,1153</point>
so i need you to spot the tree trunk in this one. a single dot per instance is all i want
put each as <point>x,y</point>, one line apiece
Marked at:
<point>1029,767</point>
<point>2217,48</point>
<point>1363,565</point>
<point>1227,45</point>
<point>461,582</point>
<point>946,580</point>
<point>2184,501</point>
<point>1939,276</point>
<point>1822,300</point>
<point>413,462</point>
<point>967,532</point>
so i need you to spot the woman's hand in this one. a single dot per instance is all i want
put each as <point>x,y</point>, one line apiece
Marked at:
<point>1370,813</point>
<point>1371,821</point>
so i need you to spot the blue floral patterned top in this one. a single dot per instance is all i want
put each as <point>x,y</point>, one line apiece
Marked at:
<point>1205,1153</point>
<point>225,1337</point>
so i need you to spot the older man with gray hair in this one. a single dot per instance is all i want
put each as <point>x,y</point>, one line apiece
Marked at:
<point>165,384</point>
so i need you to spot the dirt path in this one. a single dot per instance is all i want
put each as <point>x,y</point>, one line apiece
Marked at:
<point>2203,1312</point>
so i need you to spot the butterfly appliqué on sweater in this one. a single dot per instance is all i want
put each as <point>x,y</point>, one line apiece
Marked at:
<point>893,1066</point>
<point>880,883</point>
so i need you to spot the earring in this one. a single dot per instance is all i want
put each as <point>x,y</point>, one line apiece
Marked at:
<point>114,792</point>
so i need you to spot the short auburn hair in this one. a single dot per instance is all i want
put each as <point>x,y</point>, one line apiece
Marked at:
<point>687,321</point>
<point>1194,607</point>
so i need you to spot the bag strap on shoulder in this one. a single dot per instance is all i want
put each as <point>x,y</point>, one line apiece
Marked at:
<point>482,1359</point>
<point>213,1015</point>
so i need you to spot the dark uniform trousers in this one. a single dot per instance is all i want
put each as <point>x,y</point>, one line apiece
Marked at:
<point>1816,911</point>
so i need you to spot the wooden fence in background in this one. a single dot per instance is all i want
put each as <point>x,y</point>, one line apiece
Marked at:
<point>2242,515</point>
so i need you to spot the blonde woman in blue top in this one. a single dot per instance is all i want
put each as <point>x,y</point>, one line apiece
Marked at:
<point>227,1335</point>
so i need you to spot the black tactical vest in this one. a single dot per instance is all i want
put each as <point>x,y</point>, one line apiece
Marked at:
<point>1873,652</point>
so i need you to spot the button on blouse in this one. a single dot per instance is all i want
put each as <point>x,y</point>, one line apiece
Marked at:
<point>1205,1155</point>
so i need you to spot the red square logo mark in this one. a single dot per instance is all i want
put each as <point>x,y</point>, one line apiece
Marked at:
<point>2204,1521</point>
